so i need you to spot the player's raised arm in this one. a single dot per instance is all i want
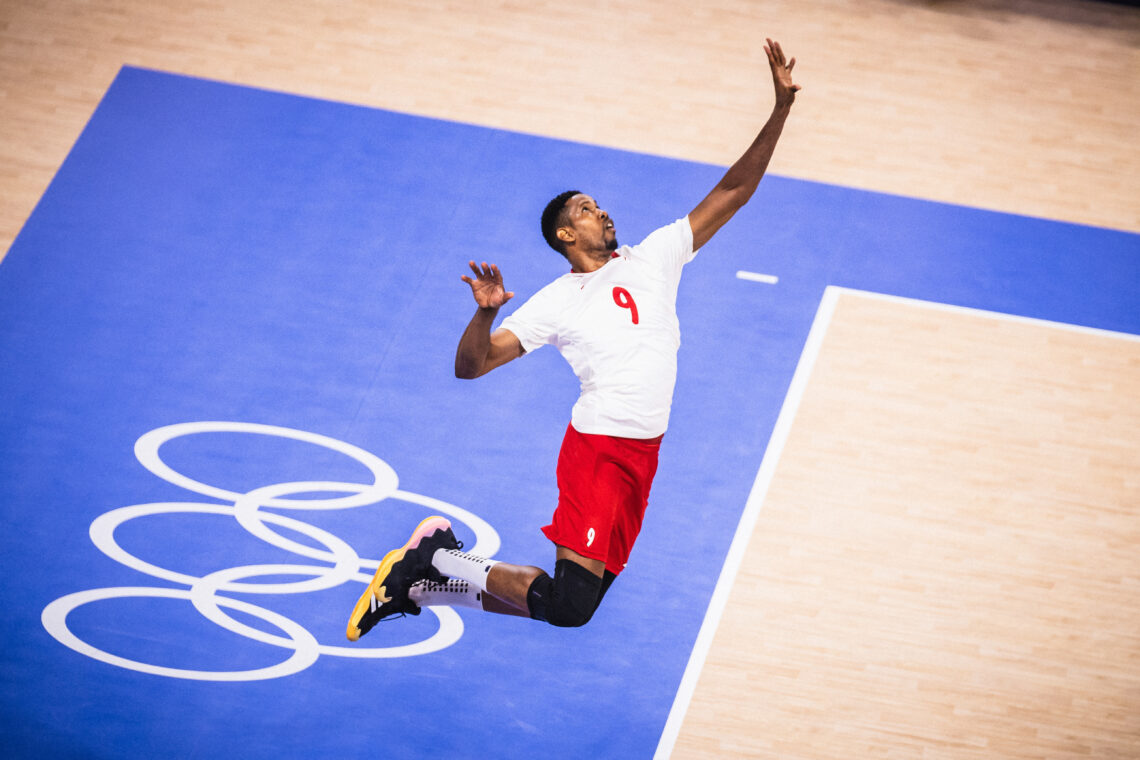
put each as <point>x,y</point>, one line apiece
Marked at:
<point>479,350</point>
<point>742,178</point>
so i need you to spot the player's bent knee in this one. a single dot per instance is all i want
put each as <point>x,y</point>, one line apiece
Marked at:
<point>567,600</point>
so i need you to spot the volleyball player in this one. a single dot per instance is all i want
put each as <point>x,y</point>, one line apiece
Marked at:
<point>613,318</point>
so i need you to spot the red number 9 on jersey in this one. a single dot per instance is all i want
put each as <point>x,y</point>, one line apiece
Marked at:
<point>623,299</point>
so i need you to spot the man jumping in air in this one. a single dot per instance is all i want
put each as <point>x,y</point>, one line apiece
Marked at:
<point>613,317</point>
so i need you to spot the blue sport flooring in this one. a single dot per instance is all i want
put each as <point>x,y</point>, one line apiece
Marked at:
<point>210,252</point>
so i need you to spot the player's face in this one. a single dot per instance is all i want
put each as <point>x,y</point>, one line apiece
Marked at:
<point>592,225</point>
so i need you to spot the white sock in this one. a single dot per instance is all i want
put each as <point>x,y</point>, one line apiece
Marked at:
<point>456,564</point>
<point>454,593</point>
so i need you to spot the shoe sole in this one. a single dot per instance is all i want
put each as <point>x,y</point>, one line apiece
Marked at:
<point>427,527</point>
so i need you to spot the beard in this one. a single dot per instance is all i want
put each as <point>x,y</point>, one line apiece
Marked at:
<point>612,245</point>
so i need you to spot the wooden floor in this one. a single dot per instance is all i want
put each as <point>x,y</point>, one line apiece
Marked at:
<point>948,559</point>
<point>948,562</point>
<point>1027,106</point>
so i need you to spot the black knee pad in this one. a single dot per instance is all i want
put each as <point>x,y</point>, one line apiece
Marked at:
<point>567,600</point>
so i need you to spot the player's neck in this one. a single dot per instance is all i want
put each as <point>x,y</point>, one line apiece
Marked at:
<point>584,262</point>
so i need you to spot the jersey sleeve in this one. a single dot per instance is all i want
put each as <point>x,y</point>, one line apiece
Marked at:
<point>669,247</point>
<point>535,322</point>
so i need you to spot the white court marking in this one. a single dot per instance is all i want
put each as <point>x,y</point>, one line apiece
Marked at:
<point>342,563</point>
<point>767,471</point>
<point>767,279</point>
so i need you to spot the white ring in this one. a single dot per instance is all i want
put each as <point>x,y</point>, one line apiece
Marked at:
<point>346,564</point>
<point>54,619</point>
<point>103,536</point>
<point>146,451</point>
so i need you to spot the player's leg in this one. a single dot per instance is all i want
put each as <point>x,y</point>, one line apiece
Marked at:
<point>509,587</point>
<point>431,570</point>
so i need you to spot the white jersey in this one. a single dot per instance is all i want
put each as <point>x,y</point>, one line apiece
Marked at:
<point>618,329</point>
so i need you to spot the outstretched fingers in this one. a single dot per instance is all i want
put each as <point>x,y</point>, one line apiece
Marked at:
<point>781,71</point>
<point>778,56</point>
<point>487,285</point>
<point>482,272</point>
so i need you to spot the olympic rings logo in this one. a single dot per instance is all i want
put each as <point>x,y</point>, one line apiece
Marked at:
<point>340,562</point>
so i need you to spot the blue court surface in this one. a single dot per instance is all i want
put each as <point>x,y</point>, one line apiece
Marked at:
<point>227,335</point>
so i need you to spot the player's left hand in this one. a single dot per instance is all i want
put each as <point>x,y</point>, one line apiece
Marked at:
<point>781,74</point>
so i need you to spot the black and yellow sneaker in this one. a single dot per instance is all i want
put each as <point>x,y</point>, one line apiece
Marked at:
<point>387,593</point>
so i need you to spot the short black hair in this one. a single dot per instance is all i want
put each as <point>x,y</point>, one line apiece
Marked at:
<point>553,217</point>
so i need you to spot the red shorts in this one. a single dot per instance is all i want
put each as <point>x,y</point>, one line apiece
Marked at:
<point>603,489</point>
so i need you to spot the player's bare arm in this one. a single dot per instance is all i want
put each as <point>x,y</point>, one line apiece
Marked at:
<point>480,350</point>
<point>742,178</point>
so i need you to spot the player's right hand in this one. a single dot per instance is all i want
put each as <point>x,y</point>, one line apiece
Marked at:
<point>487,286</point>
<point>781,73</point>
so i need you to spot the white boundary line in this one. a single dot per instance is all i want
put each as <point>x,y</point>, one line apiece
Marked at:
<point>747,522</point>
<point>771,459</point>
<point>968,310</point>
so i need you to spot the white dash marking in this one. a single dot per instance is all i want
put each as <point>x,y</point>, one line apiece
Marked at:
<point>769,279</point>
